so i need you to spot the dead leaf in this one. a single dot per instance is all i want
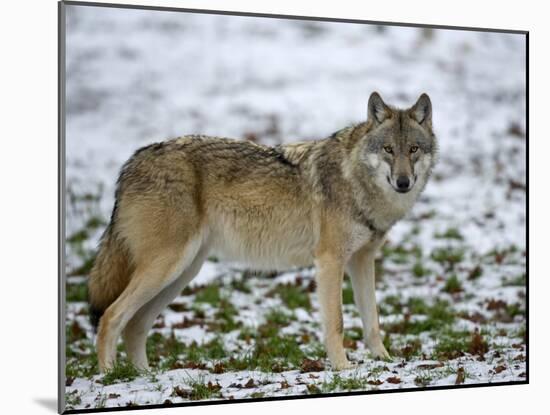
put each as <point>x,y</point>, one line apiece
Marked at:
<point>309,365</point>
<point>218,368</point>
<point>350,343</point>
<point>500,368</point>
<point>460,376</point>
<point>180,392</point>
<point>213,387</point>
<point>515,129</point>
<point>394,379</point>
<point>429,366</point>
<point>194,365</point>
<point>478,345</point>
<point>311,388</point>
<point>496,304</point>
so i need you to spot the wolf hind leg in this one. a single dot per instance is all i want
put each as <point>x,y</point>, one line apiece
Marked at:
<point>149,279</point>
<point>135,332</point>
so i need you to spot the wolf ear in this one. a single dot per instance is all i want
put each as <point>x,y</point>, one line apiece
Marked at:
<point>377,109</point>
<point>422,110</point>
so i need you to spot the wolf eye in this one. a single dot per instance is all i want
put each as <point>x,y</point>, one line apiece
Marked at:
<point>388,149</point>
<point>414,149</point>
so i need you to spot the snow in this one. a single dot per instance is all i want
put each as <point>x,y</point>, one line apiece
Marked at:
<point>135,77</point>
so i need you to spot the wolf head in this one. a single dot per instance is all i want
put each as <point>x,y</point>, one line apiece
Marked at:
<point>399,149</point>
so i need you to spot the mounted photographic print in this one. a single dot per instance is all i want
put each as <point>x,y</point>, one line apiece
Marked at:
<point>259,207</point>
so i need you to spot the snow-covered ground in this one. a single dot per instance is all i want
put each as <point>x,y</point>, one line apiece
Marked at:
<point>457,263</point>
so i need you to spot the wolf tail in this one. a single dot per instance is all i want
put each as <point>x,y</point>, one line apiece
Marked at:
<point>110,274</point>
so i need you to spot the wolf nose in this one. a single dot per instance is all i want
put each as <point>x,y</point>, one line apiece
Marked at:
<point>402,182</point>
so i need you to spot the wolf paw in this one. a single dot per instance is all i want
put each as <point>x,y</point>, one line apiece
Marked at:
<point>378,351</point>
<point>343,364</point>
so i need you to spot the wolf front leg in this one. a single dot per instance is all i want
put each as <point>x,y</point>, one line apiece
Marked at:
<point>330,273</point>
<point>361,270</point>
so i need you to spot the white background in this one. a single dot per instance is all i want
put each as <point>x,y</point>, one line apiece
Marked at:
<point>28,227</point>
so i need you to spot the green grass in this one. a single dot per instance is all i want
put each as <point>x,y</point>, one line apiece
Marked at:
<point>412,348</point>
<point>212,350</point>
<point>515,309</point>
<point>387,341</point>
<point>451,233</point>
<point>419,270</point>
<point>423,379</point>
<point>391,305</point>
<point>272,351</point>
<point>347,293</point>
<point>122,371</point>
<point>81,358</point>
<point>517,281</point>
<point>271,354</point>
<point>168,353</point>
<point>209,294</point>
<point>78,237</point>
<point>448,256</point>
<point>88,259</point>
<point>339,383</point>
<point>279,317</point>
<point>292,296</point>
<point>72,399</point>
<point>521,333</point>
<point>225,318</point>
<point>86,205</point>
<point>506,255</point>
<point>400,254</point>
<point>268,347</point>
<point>437,315</point>
<point>354,333</point>
<point>417,305</point>
<point>241,285</point>
<point>277,348</point>
<point>84,197</point>
<point>76,292</point>
<point>453,285</point>
<point>199,390</point>
<point>164,352</point>
<point>452,344</point>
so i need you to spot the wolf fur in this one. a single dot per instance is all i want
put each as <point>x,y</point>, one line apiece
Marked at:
<point>329,202</point>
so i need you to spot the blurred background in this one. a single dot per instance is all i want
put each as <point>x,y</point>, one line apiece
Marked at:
<point>458,261</point>
<point>135,77</point>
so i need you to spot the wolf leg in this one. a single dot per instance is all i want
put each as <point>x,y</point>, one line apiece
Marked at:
<point>148,280</point>
<point>330,273</point>
<point>135,332</point>
<point>361,269</point>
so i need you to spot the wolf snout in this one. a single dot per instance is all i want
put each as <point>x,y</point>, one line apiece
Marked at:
<point>403,184</point>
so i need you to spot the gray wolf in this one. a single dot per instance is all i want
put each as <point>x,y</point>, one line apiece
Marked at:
<point>328,202</point>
